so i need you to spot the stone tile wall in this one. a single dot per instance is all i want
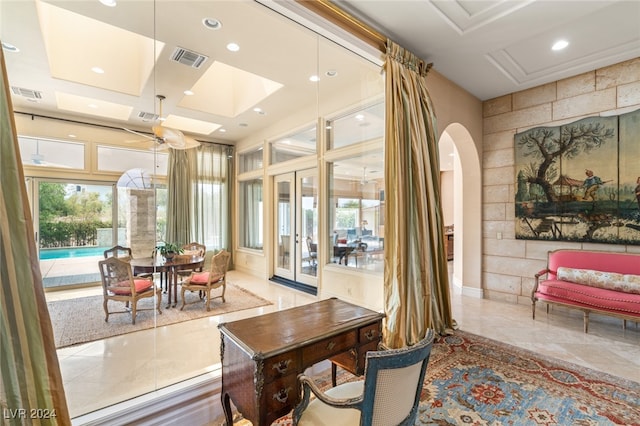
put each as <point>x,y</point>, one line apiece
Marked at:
<point>509,265</point>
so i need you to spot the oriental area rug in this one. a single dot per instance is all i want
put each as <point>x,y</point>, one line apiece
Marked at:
<point>472,380</point>
<point>81,320</point>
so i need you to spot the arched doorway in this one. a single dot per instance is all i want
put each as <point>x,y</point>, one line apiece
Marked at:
<point>458,149</point>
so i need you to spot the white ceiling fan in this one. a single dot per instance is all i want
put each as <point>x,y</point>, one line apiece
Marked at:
<point>166,137</point>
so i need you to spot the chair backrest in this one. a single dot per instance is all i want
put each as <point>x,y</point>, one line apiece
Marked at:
<point>195,248</point>
<point>393,384</point>
<point>117,251</point>
<point>116,276</point>
<point>219,265</point>
<point>311,246</point>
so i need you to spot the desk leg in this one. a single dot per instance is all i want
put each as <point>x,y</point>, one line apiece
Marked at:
<point>226,407</point>
<point>334,370</point>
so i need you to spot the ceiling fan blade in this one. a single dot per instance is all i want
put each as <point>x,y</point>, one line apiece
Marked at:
<point>146,136</point>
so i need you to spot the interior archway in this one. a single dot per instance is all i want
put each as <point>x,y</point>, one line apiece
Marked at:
<point>458,153</point>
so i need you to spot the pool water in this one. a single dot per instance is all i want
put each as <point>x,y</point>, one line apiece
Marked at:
<point>69,252</point>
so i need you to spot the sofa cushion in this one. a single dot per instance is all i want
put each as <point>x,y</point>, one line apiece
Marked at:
<point>587,296</point>
<point>608,280</point>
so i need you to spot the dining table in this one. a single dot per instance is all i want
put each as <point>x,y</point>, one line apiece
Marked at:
<point>169,268</point>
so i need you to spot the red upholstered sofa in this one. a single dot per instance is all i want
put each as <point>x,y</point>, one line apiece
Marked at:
<point>592,281</point>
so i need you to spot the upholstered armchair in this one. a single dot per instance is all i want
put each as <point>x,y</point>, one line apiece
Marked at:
<point>207,281</point>
<point>388,396</point>
<point>119,284</point>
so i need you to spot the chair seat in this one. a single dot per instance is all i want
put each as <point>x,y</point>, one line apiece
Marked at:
<point>319,413</point>
<point>124,288</point>
<point>201,278</point>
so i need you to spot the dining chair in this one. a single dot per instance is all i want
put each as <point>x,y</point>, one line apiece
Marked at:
<point>312,248</point>
<point>120,285</point>
<point>207,281</point>
<point>389,395</point>
<point>192,249</point>
<point>124,253</point>
<point>118,251</point>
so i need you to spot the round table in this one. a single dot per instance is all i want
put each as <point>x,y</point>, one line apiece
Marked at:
<point>170,267</point>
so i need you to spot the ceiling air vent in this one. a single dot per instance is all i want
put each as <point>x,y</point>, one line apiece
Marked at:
<point>148,116</point>
<point>188,57</point>
<point>26,93</point>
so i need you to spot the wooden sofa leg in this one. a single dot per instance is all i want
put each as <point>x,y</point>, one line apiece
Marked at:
<point>533,308</point>
<point>624,324</point>
<point>586,321</point>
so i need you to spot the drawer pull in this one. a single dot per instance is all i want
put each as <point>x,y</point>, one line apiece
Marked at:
<point>371,334</point>
<point>331,345</point>
<point>282,395</point>
<point>282,366</point>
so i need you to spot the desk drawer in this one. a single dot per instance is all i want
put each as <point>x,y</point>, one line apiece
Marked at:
<point>327,347</point>
<point>280,366</point>
<point>370,333</point>
<point>280,396</point>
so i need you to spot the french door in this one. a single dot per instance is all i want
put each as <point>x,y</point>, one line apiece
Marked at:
<point>296,226</point>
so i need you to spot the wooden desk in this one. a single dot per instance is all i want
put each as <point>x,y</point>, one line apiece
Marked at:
<point>170,267</point>
<point>262,356</point>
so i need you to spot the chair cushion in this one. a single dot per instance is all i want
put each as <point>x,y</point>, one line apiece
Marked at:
<point>201,278</point>
<point>124,288</point>
<point>319,413</point>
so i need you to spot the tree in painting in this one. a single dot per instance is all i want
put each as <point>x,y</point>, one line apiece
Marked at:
<point>546,145</point>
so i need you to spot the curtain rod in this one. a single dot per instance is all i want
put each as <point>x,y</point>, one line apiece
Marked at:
<point>103,126</point>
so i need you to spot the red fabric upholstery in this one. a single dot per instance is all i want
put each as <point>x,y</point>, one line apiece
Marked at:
<point>123,287</point>
<point>589,297</point>
<point>623,263</point>
<point>201,278</point>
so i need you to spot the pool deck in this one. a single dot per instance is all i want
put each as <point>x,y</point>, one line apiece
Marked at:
<point>68,271</point>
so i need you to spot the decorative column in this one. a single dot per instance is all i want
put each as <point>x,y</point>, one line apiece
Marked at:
<point>141,221</point>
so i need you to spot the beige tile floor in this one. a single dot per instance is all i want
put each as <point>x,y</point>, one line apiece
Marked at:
<point>109,371</point>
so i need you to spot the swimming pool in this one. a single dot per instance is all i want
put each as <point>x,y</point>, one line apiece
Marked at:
<point>69,252</point>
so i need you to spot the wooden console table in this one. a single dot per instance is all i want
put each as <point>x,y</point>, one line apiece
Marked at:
<point>262,356</point>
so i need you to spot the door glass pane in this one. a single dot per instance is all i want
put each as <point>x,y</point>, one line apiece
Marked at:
<point>309,225</point>
<point>284,225</point>
<point>75,227</point>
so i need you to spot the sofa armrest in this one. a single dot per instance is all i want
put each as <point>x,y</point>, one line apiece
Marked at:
<point>537,277</point>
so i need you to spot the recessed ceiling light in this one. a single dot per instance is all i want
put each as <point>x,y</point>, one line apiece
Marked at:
<point>314,78</point>
<point>360,117</point>
<point>559,45</point>
<point>97,70</point>
<point>222,130</point>
<point>259,111</point>
<point>71,135</point>
<point>94,106</point>
<point>212,23</point>
<point>188,92</point>
<point>331,73</point>
<point>233,47</point>
<point>110,3</point>
<point>9,47</point>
